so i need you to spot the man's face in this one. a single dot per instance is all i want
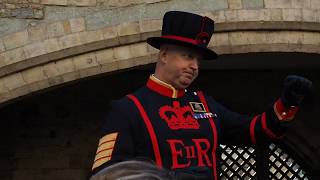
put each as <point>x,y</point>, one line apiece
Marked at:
<point>181,65</point>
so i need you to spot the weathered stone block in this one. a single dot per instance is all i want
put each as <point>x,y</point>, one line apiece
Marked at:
<point>110,32</point>
<point>77,24</point>
<point>82,2</point>
<point>70,76</point>
<point>288,37</point>
<point>13,81</point>
<point>122,52</point>
<point>292,14</point>
<point>129,32</point>
<point>34,49</point>
<point>315,4</point>
<point>257,37</point>
<point>67,70</point>
<point>311,38</point>
<point>139,49</point>
<point>150,25</point>
<point>219,39</point>
<point>2,59</point>
<point>278,3</point>
<point>39,85</point>
<point>14,56</point>
<point>33,75</point>
<point>2,48</point>
<point>38,14</point>
<point>231,15</point>
<point>122,3</point>
<point>90,36</point>
<point>275,38</point>
<point>254,15</point>
<point>85,61</point>
<point>142,60</point>
<point>128,28</point>
<point>109,67</point>
<point>10,6</point>
<point>55,29</point>
<point>309,15</point>
<point>50,70</point>
<point>105,56</point>
<point>15,40</point>
<point>305,4</point>
<point>126,63</point>
<point>69,40</point>
<point>37,33</point>
<point>247,38</point>
<point>318,15</point>
<point>265,15</point>
<point>248,15</point>
<point>51,45</point>
<point>54,2</point>
<point>4,92</point>
<point>252,4</point>
<point>20,91</point>
<point>91,71</point>
<point>65,66</point>
<point>66,27</point>
<point>238,38</point>
<point>111,35</point>
<point>3,88</point>
<point>211,5</point>
<point>275,15</point>
<point>235,4</point>
<point>217,16</point>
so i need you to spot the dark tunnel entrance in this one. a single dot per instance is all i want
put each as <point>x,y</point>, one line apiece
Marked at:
<point>53,134</point>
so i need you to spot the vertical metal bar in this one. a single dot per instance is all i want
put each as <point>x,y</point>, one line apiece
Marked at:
<point>262,157</point>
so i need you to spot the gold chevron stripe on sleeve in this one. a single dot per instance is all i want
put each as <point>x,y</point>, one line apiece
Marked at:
<point>100,162</point>
<point>108,137</point>
<point>105,149</point>
<point>102,154</point>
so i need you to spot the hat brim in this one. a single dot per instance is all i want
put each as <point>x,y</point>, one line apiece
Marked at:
<point>156,42</point>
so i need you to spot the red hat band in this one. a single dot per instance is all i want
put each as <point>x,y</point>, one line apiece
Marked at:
<point>201,39</point>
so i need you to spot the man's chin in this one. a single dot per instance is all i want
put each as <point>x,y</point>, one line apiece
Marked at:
<point>185,84</point>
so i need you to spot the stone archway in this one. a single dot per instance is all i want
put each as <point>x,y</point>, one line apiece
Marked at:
<point>57,52</point>
<point>71,47</point>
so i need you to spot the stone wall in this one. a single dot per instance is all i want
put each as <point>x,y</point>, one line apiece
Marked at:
<point>78,39</point>
<point>22,9</point>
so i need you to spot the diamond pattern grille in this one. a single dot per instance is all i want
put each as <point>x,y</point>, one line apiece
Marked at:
<point>241,163</point>
<point>237,163</point>
<point>282,166</point>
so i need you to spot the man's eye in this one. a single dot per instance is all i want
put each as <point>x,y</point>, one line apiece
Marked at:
<point>189,56</point>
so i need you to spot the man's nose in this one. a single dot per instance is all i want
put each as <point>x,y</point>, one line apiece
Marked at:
<point>195,64</point>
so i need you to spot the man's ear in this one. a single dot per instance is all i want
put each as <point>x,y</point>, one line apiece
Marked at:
<point>163,54</point>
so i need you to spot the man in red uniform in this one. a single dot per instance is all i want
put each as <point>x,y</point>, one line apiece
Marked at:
<point>181,129</point>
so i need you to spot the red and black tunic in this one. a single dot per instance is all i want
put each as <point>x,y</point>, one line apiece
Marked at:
<point>179,129</point>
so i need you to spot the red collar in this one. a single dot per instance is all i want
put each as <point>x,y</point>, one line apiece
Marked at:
<point>163,88</point>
